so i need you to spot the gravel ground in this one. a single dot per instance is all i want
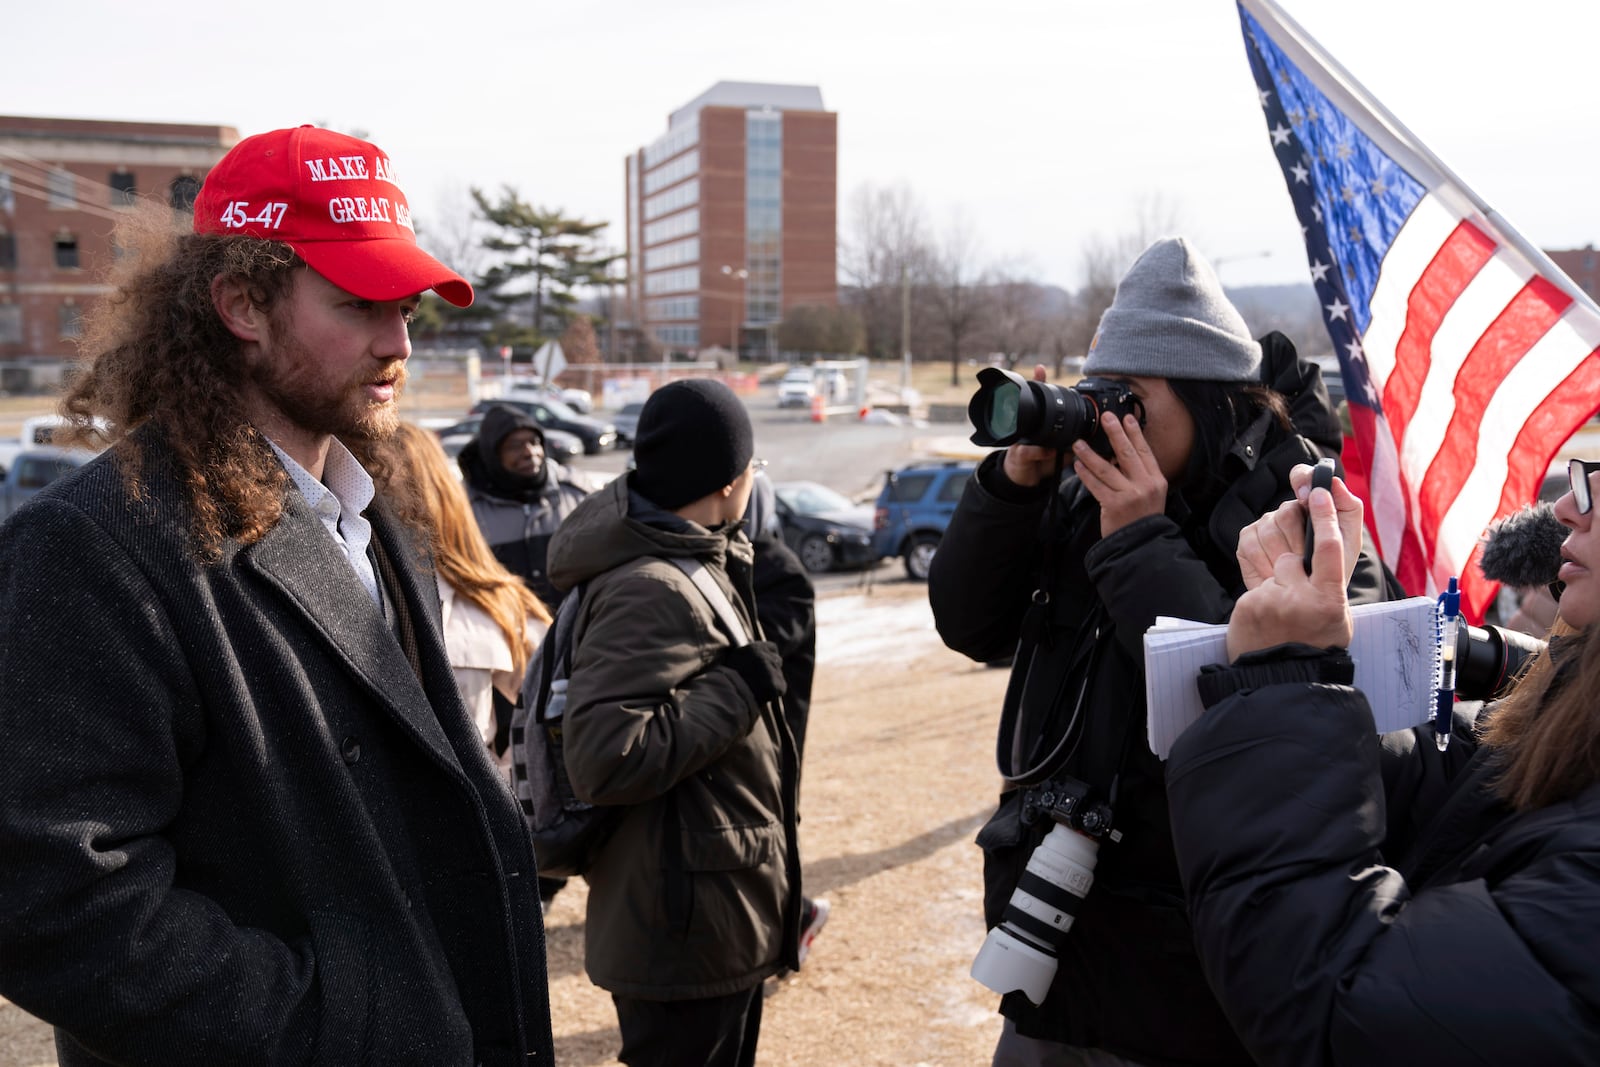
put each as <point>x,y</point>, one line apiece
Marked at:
<point>898,777</point>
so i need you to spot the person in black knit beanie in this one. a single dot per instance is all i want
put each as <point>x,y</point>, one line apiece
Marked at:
<point>674,715</point>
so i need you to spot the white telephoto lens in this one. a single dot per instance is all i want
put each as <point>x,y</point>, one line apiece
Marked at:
<point>1019,954</point>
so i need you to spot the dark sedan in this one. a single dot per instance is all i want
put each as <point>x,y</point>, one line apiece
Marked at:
<point>825,529</point>
<point>597,436</point>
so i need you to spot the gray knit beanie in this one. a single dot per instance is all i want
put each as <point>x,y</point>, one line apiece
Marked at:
<point>1171,319</point>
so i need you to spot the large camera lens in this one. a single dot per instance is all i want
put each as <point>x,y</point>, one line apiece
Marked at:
<point>1009,409</point>
<point>1021,953</point>
<point>1004,405</point>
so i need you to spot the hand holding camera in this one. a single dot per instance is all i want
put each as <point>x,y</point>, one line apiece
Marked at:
<point>1028,464</point>
<point>1128,489</point>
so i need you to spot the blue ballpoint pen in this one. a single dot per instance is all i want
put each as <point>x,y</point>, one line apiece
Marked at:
<point>1449,625</point>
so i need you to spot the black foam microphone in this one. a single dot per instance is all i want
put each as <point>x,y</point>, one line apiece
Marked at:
<point>1524,548</point>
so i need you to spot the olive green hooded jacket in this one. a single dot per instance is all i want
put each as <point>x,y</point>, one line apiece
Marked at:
<point>697,892</point>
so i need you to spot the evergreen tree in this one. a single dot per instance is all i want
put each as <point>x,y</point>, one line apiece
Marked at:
<point>541,256</point>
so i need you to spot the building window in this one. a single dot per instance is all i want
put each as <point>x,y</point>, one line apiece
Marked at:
<point>8,251</point>
<point>123,192</point>
<point>685,222</point>
<point>63,188</point>
<point>679,336</point>
<point>70,319</point>
<point>681,307</point>
<point>677,197</point>
<point>672,281</point>
<point>8,201</point>
<point>678,252</point>
<point>185,187</point>
<point>10,324</point>
<point>673,142</point>
<point>763,216</point>
<point>66,251</point>
<point>671,173</point>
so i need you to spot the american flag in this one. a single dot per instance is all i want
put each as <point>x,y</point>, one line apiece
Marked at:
<point>1468,356</point>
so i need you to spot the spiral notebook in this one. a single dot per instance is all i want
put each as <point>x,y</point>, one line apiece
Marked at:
<point>1395,650</point>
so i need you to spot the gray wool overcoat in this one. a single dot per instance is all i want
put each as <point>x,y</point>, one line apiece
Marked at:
<point>235,826</point>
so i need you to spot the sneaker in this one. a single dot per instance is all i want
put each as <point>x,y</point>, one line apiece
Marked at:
<point>813,916</point>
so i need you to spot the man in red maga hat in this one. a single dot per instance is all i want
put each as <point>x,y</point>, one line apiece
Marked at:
<point>245,815</point>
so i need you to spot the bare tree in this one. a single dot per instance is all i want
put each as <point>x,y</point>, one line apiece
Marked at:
<point>956,288</point>
<point>886,250</point>
<point>1105,260</point>
<point>1017,315</point>
<point>453,233</point>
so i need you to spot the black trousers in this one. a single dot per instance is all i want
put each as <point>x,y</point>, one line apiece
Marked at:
<point>714,1032</point>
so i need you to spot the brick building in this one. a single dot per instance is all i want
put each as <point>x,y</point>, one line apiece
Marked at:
<point>63,185</point>
<point>733,217</point>
<point>1582,265</point>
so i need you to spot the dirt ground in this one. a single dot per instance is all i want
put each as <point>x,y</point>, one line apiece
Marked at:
<point>898,776</point>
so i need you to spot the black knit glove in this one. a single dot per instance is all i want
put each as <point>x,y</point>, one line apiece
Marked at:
<point>761,667</point>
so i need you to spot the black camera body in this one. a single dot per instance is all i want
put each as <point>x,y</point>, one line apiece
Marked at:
<point>1068,802</point>
<point>1009,409</point>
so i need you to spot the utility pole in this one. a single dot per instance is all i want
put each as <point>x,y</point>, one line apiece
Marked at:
<point>905,327</point>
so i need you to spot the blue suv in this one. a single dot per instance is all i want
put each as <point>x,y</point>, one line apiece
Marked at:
<point>914,507</point>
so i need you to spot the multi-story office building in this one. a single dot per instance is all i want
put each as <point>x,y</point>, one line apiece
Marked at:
<point>64,183</point>
<point>732,217</point>
<point>1582,265</point>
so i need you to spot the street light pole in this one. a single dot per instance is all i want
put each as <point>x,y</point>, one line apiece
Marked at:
<point>735,299</point>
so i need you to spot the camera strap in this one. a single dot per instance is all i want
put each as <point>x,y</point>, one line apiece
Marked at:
<point>1035,742</point>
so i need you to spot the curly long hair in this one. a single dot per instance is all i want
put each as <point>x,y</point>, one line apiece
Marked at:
<point>157,353</point>
<point>417,480</point>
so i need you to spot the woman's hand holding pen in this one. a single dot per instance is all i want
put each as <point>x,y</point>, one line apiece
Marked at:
<point>1131,488</point>
<point>1285,604</point>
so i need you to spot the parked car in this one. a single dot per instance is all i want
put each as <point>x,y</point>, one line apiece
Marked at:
<point>558,444</point>
<point>824,528</point>
<point>34,468</point>
<point>914,507</point>
<point>597,436</point>
<point>579,400</point>
<point>626,421</point>
<point>797,388</point>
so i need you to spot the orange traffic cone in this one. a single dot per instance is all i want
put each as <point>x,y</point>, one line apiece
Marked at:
<point>818,412</point>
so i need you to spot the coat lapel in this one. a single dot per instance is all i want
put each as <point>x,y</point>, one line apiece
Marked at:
<point>302,561</point>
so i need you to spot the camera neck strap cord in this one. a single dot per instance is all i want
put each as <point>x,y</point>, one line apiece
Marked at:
<point>1030,748</point>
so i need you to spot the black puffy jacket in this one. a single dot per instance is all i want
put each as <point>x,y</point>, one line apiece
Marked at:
<point>1128,979</point>
<point>1360,900</point>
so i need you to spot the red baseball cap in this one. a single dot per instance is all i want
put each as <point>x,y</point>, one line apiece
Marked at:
<point>334,200</point>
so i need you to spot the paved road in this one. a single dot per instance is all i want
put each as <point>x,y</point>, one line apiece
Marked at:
<point>843,453</point>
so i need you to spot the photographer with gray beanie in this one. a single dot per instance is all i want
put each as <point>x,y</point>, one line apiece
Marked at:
<point>1065,567</point>
<point>694,899</point>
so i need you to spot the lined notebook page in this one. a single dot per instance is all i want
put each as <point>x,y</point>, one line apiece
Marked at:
<point>1395,650</point>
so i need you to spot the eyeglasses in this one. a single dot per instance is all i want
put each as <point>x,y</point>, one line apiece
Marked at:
<point>1578,472</point>
<point>757,465</point>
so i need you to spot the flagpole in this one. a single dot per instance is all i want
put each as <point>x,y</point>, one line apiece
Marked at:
<point>1398,142</point>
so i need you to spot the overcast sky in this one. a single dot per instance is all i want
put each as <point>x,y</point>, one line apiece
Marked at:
<point>1041,123</point>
